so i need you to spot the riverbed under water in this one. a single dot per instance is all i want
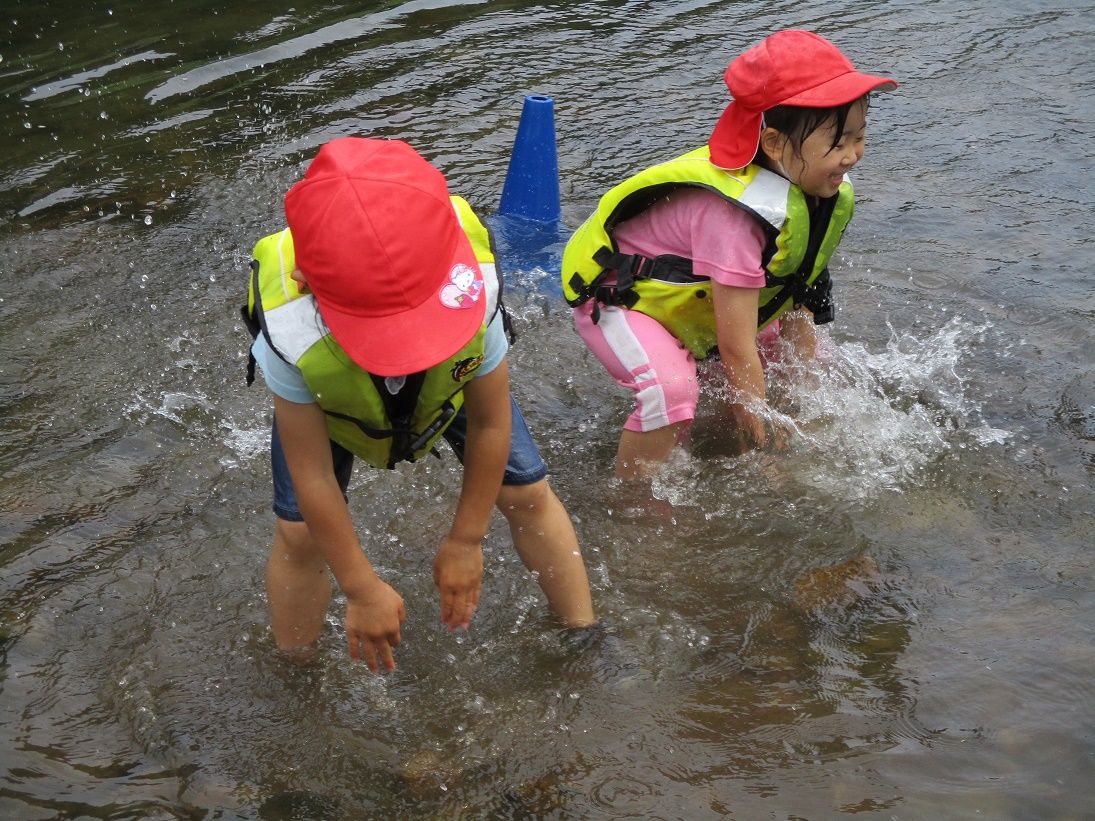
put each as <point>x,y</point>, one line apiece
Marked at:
<point>945,461</point>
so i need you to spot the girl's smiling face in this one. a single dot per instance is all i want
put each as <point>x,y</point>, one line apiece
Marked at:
<point>819,166</point>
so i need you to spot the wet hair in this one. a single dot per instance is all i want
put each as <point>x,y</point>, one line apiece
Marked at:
<point>799,122</point>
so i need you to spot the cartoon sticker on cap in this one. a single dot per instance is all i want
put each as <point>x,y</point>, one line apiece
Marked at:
<point>462,290</point>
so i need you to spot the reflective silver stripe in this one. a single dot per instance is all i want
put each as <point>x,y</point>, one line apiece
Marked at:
<point>766,196</point>
<point>283,274</point>
<point>490,286</point>
<point>615,326</point>
<point>295,327</point>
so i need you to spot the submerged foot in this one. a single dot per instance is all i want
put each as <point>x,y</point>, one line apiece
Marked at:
<point>836,586</point>
<point>599,651</point>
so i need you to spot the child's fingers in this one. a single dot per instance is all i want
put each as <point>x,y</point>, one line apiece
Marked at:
<point>375,652</point>
<point>466,610</point>
<point>362,648</point>
<point>385,654</point>
<point>457,607</point>
<point>470,607</point>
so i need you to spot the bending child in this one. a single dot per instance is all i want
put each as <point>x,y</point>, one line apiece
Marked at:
<point>697,255</point>
<point>379,330</point>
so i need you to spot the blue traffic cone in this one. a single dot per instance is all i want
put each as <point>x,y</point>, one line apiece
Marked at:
<point>531,191</point>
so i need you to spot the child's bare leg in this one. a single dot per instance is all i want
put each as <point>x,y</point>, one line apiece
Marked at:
<point>298,588</point>
<point>545,540</point>
<point>641,453</point>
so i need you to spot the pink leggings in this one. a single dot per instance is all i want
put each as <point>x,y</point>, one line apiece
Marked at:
<point>642,356</point>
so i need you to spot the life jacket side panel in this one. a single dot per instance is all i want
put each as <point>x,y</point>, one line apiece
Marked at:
<point>275,251</point>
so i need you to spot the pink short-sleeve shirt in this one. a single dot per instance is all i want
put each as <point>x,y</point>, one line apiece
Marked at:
<point>723,241</point>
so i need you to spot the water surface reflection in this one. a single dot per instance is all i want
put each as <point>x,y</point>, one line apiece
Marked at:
<point>891,621</point>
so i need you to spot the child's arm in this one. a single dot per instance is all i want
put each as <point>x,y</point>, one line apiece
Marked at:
<point>373,609</point>
<point>458,566</point>
<point>736,330</point>
<point>797,327</point>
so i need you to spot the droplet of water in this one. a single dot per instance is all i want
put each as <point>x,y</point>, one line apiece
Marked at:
<point>148,219</point>
<point>102,115</point>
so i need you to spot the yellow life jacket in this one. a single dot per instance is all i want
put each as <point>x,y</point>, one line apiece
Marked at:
<point>795,259</point>
<point>383,420</point>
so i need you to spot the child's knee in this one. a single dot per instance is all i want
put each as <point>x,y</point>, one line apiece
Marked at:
<point>294,541</point>
<point>521,500</point>
<point>662,402</point>
<point>681,392</point>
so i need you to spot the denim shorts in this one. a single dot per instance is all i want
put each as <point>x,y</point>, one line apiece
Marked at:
<point>524,466</point>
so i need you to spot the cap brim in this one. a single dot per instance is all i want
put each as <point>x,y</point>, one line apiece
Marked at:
<point>735,138</point>
<point>416,339</point>
<point>841,90</point>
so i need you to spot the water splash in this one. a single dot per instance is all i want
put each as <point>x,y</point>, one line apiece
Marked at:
<point>859,422</point>
<point>875,419</point>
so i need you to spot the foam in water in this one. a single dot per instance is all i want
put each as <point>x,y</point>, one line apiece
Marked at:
<point>880,417</point>
<point>863,422</point>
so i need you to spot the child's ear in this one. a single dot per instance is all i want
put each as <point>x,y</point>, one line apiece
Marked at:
<point>772,143</point>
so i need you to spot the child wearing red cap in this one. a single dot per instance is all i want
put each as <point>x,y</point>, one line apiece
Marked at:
<point>699,254</point>
<point>379,330</point>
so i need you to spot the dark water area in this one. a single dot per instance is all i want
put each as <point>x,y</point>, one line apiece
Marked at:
<point>944,461</point>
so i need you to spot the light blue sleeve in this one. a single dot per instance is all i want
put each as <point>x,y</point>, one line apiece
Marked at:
<point>495,346</point>
<point>282,379</point>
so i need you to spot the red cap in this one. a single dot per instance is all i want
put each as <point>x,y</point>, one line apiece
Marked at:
<point>382,250</point>
<point>788,68</point>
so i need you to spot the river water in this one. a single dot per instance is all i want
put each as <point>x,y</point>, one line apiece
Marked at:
<point>944,462</point>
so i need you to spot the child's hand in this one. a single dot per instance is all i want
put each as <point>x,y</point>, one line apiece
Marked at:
<point>458,573</point>
<point>756,432</point>
<point>372,624</point>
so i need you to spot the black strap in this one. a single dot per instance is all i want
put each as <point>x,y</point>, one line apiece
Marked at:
<point>819,226</point>
<point>772,306</point>
<point>260,313</point>
<point>817,296</point>
<point>633,268</point>
<point>254,327</point>
<point>400,409</point>
<point>372,433</point>
<point>507,323</point>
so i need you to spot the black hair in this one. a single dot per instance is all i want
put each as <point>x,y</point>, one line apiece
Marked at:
<point>799,122</point>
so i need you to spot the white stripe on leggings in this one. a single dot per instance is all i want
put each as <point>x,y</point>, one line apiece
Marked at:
<point>627,348</point>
